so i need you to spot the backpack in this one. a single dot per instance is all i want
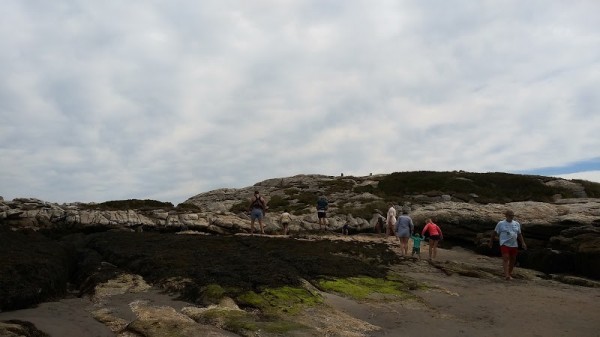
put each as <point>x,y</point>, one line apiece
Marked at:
<point>322,203</point>
<point>258,203</point>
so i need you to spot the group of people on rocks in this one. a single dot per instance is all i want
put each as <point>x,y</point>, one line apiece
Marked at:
<point>258,207</point>
<point>402,227</point>
<point>508,231</point>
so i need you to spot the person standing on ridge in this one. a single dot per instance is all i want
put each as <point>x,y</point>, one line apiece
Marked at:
<point>322,206</point>
<point>257,208</point>
<point>509,235</point>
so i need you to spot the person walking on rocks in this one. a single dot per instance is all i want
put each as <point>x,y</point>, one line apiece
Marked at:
<point>285,220</point>
<point>404,229</point>
<point>509,235</point>
<point>257,207</point>
<point>322,206</point>
<point>390,220</point>
<point>416,244</point>
<point>435,235</point>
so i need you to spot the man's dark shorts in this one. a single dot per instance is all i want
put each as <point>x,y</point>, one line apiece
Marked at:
<point>321,214</point>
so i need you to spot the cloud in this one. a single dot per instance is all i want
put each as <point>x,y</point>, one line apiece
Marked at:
<point>586,175</point>
<point>164,100</point>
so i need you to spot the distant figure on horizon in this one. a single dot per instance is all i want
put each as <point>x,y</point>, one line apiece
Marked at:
<point>509,235</point>
<point>434,232</point>
<point>390,220</point>
<point>404,229</point>
<point>258,207</point>
<point>285,220</point>
<point>322,206</point>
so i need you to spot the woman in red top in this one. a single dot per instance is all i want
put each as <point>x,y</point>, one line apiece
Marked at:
<point>435,235</point>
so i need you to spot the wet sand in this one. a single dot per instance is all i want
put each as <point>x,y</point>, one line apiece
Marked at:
<point>72,317</point>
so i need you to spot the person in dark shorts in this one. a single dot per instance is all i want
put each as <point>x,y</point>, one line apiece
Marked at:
<point>434,232</point>
<point>257,208</point>
<point>509,235</point>
<point>322,206</point>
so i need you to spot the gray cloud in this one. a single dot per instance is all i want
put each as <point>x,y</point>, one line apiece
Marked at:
<point>164,100</point>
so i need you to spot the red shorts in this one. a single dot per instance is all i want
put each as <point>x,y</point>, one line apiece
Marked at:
<point>510,251</point>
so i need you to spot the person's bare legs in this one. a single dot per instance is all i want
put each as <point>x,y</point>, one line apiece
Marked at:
<point>252,226</point>
<point>433,249</point>
<point>511,265</point>
<point>262,230</point>
<point>506,265</point>
<point>404,244</point>
<point>431,243</point>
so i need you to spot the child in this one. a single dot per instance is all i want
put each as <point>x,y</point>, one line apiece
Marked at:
<point>346,229</point>
<point>416,244</point>
<point>285,219</point>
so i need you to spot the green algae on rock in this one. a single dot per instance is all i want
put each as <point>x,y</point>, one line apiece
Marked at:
<point>364,287</point>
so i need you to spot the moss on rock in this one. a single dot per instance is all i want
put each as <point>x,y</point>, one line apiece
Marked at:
<point>364,287</point>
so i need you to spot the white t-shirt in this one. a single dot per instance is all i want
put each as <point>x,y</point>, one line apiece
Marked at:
<point>508,233</point>
<point>286,217</point>
<point>391,215</point>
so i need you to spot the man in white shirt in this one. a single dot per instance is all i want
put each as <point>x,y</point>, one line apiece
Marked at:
<point>508,232</point>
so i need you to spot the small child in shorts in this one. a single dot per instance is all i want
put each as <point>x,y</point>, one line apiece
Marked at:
<point>416,244</point>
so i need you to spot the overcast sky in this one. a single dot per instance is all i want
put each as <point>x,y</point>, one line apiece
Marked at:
<point>110,100</point>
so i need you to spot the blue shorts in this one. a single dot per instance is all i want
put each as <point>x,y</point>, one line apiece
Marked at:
<point>256,213</point>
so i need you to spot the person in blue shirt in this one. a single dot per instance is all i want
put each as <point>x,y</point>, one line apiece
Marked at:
<point>404,229</point>
<point>509,235</point>
<point>322,205</point>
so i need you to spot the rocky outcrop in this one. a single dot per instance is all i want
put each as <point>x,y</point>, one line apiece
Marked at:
<point>562,235</point>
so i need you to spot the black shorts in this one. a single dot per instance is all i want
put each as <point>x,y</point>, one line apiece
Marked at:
<point>321,214</point>
<point>434,237</point>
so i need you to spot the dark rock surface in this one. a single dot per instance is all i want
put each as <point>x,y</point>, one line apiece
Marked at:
<point>33,269</point>
<point>18,328</point>
<point>36,269</point>
<point>45,246</point>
